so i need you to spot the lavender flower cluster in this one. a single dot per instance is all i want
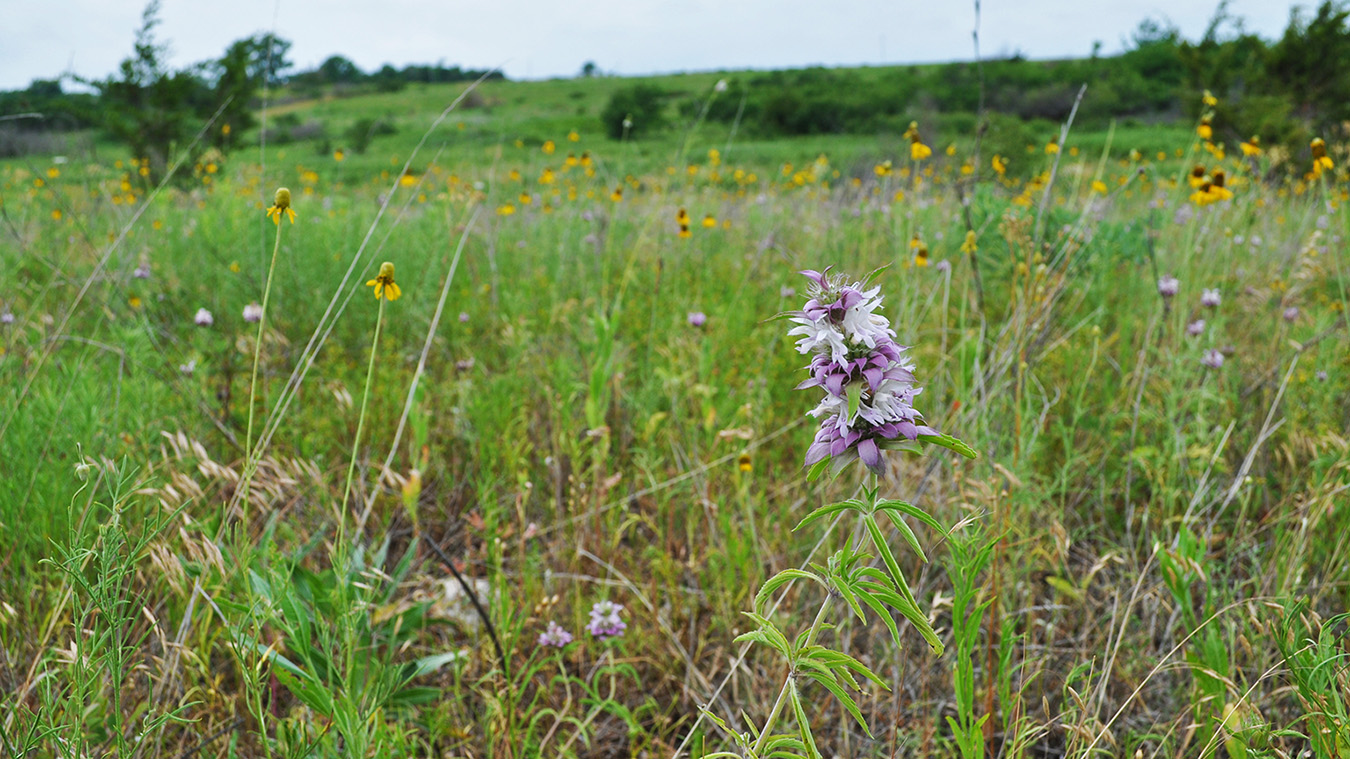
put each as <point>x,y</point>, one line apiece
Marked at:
<point>854,353</point>
<point>605,623</point>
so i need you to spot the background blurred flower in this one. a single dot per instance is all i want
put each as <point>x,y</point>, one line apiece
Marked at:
<point>203,318</point>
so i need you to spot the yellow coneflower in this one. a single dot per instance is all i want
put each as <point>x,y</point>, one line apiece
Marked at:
<point>1217,190</point>
<point>617,195</point>
<point>1320,158</point>
<point>920,251</point>
<point>526,199</point>
<point>1204,130</point>
<point>1099,187</point>
<point>882,169</point>
<point>951,149</point>
<point>1209,100</point>
<point>513,175</point>
<point>570,160</point>
<point>917,149</point>
<point>339,156</point>
<point>1052,147</point>
<point>1202,195</point>
<point>1135,155</point>
<point>549,147</point>
<point>709,222</point>
<point>384,283</point>
<point>56,214</point>
<point>1251,147</point>
<point>1197,176</point>
<point>281,203</point>
<point>743,462</point>
<point>505,209</point>
<point>572,136</point>
<point>407,180</point>
<point>586,158</point>
<point>1000,166</point>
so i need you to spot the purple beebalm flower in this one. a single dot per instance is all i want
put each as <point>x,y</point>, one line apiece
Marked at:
<point>203,318</point>
<point>1196,328</point>
<point>854,353</point>
<point>142,271</point>
<point>253,313</point>
<point>464,364</point>
<point>463,316</point>
<point>7,317</point>
<point>1213,358</point>
<point>1291,313</point>
<point>787,292</point>
<point>605,621</point>
<point>943,266</point>
<point>188,368</point>
<point>1321,375</point>
<point>1210,298</point>
<point>555,636</point>
<point>1168,285</point>
<point>697,318</point>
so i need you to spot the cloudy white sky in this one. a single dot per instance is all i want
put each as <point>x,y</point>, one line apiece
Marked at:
<point>534,38</point>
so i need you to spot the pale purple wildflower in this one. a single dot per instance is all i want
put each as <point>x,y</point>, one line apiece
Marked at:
<point>787,292</point>
<point>605,621</point>
<point>253,313</point>
<point>943,266</point>
<point>203,318</point>
<point>854,350</point>
<point>463,316</point>
<point>1212,358</point>
<point>7,317</point>
<point>1291,313</point>
<point>1321,375</point>
<point>188,368</point>
<point>555,636</point>
<point>697,318</point>
<point>1210,298</point>
<point>1196,328</point>
<point>142,271</point>
<point>464,364</point>
<point>1168,285</point>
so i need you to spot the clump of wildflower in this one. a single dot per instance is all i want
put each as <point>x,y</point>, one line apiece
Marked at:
<point>6,317</point>
<point>697,318</point>
<point>1291,313</point>
<point>1196,328</point>
<point>1209,298</point>
<point>281,203</point>
<point>1212,359</point>
<point>142,271</point>
<point>384,283</point>
<point>203,318</point>
<point>869,386</point>
<point>943,266</point>
<point>555,636</point>
<point>1168,285</point>
<point>253,313</point>
<point>1252,147</point>
<point>187,369</point>
<point>917,149</point>
<point>605,621</point>
<point>1321,161</point>
<point>463,317</point>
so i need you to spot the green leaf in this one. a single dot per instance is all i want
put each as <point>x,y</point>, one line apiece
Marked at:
<point>817,469</point>
<point>803,724</point>
<point>781,579</point>
<point>910,509</point>
<point>882,612</point>
<point>846,700</point>
<point>823,511</point>
<point>951,444</point>
<point>428,664</point>
<point>854,390</point>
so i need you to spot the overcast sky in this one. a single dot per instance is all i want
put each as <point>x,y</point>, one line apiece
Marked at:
<point>534,38</point>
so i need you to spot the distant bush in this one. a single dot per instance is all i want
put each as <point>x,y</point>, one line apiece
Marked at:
<point>642,105</point>
<point>360,133</point>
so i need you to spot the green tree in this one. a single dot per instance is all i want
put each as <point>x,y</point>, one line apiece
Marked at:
<point>146,106</point>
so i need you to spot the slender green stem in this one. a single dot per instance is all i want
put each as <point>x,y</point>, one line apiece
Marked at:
<point>249,464</point>
<point>787,682</point>
<point>360,421</point>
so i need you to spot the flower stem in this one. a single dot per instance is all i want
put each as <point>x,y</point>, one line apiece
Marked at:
<point>249,464</point>
<point>787,682</point>
<point>360,422</point>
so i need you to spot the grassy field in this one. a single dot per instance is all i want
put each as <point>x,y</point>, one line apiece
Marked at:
<point>356,553</point>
